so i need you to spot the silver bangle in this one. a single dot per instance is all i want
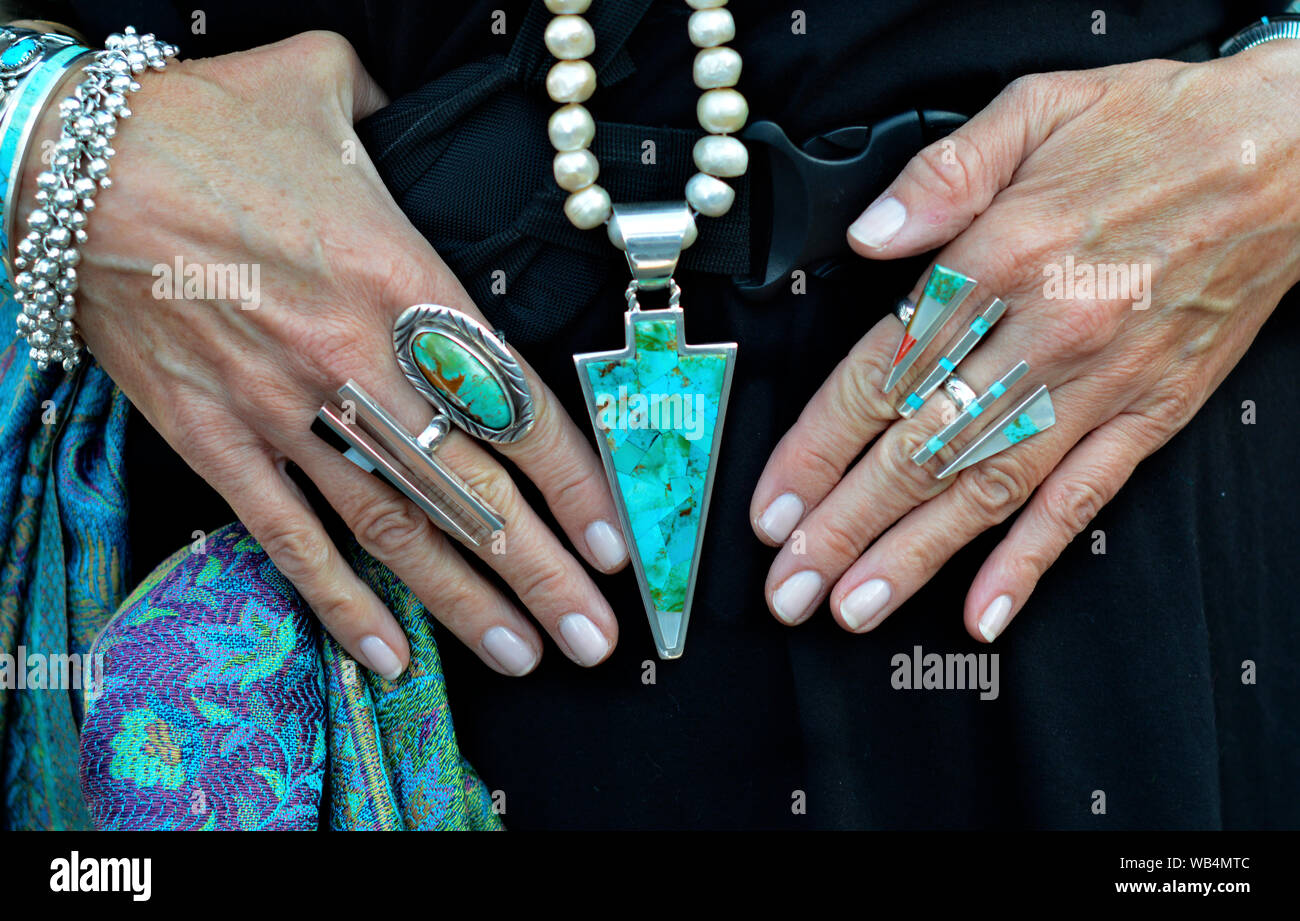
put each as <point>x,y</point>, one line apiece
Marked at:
<point>22,114</point>
<point>1270,28</point>
<point>48,255</point>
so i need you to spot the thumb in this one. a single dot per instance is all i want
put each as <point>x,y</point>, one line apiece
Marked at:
<point>328,61</point>
<point>368,96</point>
<point>950,183</point>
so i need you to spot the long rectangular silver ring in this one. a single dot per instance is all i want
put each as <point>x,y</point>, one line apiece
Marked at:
<point>377,443</point>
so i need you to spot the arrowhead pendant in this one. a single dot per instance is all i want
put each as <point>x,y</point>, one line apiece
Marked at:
<point>657,406</point>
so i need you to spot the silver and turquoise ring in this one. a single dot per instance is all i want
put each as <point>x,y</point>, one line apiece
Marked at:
<point>947,363</point>
<point>465,371</point>
<point>473,382</point>
<point>969,408</point>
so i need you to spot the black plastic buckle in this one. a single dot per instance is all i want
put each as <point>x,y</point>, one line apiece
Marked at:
<point>818,189</point>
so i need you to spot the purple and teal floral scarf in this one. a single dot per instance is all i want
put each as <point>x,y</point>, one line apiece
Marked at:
<point>207,698</point>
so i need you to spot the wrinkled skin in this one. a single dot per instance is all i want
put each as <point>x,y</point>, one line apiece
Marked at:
<point>251,158</point>
<point>1144,163</point>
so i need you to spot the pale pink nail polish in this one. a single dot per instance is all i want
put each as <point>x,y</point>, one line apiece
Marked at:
<point>862,606</point>
<point>796,594</point>
<point>880,223</point>
<point>994,619</point>
<point>779,518</point>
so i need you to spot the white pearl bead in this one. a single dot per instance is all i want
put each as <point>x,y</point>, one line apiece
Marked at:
<point>571,128</point>
<point>710,27</point>
<point>692,234</point>
<point>571,81</point>
<point>611,231</point>
<point>719,155</point>
<point>575,169</point>
<point>570,38</point>
<point>722,111</point>
<point>569,6</point>
<point>588,208</point>
<point>705,4</point>
<point>715,67</point>
<point>709,196</point>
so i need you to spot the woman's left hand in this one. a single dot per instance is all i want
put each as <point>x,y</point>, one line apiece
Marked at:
<point>1188,169</point>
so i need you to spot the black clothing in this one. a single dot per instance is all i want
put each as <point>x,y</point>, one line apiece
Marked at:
<point>1124,672</point>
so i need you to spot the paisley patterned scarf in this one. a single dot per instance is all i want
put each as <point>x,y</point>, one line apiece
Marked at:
<point>220,703</point>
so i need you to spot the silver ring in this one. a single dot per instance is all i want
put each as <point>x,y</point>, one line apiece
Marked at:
<point>377,443</point>
<point>437,429</point>
<point>945,290</point>
<point>1034,414</point>
<point>961,392</point>
<point>465,371</point>
<point>945,366</point>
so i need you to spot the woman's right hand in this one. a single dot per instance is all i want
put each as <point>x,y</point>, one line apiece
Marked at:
<point>250,159</point>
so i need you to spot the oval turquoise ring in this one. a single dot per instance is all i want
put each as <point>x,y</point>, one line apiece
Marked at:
<point>465,371</point>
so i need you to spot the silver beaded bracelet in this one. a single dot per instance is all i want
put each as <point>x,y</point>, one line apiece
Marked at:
<point>47,257</point>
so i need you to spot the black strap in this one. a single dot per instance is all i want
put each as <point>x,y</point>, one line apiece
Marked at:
<point>468,159</point>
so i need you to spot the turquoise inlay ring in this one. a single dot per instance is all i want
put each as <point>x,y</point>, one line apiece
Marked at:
<point>948,363</point>
<point>972,411</point>
<point>465,371</point>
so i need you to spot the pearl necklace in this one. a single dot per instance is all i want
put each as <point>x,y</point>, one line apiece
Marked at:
<point>721,111</point>
<point>661,479</point>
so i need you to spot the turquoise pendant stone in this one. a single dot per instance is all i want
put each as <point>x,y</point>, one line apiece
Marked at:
<point>657,407</point>
<point>463,380</point>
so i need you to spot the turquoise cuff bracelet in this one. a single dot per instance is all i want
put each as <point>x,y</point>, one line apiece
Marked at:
<point>26,103</point>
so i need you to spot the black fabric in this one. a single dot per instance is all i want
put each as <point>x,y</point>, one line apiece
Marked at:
<point>487,198</point>
<point>1123,674</point>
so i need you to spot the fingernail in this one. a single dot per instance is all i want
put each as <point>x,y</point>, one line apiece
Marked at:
<point>995,617</point>
<point>509,651</point>
<point>779,519</point>
<point>879,223</point>
<point>796,595</point>
<point>585,640</point>
<point>606,544</point>
<point>861,606</point>
<point>381,658</point>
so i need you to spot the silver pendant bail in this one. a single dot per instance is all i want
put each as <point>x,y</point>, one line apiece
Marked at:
<point>651,233</point>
